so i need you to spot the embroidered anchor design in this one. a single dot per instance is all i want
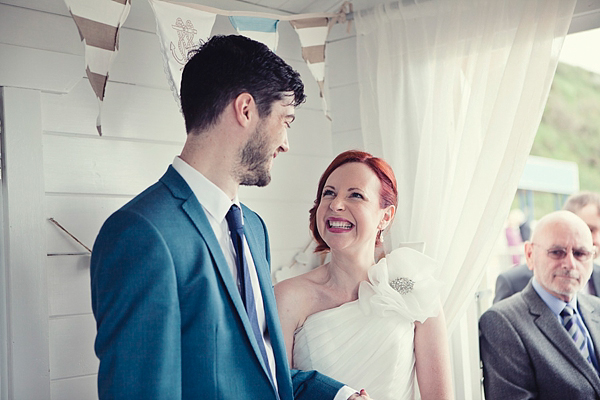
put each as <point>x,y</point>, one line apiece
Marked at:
<point>186,33</point>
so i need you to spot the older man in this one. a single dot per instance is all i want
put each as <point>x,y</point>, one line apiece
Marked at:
<point>587,206</point>
<point>542,343</point>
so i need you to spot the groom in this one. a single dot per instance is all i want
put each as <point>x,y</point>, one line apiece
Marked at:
<point>172,322</point>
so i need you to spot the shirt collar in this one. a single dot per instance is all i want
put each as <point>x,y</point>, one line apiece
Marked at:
<point>213,199</point>
<point>555,304</point>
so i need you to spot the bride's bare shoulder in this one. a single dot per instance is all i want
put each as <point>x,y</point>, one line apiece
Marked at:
<point>301,290</point>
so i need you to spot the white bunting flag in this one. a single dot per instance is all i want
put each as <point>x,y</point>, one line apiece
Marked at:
<point>180,29</point>
<point>98,22</point>
<point>312,33</point>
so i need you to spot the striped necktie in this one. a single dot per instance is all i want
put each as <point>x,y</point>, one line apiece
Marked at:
<point>236,229</point>
<point>578,336</point>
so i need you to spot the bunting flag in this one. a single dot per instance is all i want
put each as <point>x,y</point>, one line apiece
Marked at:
<point>180,26</point>
<point>312,33</point>
<point>98,22</point>
<point>180,29</point>
<point>262,30</point>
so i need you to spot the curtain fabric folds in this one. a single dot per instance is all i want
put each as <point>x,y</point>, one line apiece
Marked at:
<point>451,95</point>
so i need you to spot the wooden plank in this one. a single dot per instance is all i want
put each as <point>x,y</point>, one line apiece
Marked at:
<point>24,244</point>
<point>294,178</point>
<point>139,60</point>
<point>96,165</point>
<point>287,222</point>
<point>78,388</point>
<point>129,111</point>
<point>39,69</point>
<point>80,215</point>
<point>40,30</point>
<point>310,134</point>
<point>341,59</point>
<point>348,140</point>
<point>69,285</point>
<point>72,347</point>
<point>345,108</point>
<point>116,167</point>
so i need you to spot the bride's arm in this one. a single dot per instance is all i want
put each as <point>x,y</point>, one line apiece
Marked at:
<point>433,359</point>
<point>289,307</point>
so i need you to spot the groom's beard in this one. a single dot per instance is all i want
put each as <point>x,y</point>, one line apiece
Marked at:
<point>253,168</point>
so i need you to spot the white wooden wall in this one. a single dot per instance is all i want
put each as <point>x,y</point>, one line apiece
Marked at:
<point>56,166</point>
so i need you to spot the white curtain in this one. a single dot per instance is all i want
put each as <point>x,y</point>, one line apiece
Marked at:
<point>451,95</point>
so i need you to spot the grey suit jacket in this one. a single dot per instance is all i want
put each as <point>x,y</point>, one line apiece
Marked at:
<point>528,354</point>
<point>515,279</point>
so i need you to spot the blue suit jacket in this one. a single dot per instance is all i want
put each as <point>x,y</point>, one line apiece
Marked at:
<point>171,323</point>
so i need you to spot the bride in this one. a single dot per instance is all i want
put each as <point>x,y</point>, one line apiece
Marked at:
<point>370,325</point>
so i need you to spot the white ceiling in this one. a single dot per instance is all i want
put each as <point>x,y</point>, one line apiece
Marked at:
<point>587,12</point>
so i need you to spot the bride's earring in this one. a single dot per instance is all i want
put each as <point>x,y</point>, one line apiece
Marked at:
<point>380,236</point>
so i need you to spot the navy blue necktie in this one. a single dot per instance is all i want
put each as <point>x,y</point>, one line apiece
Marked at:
<point>236,229</point>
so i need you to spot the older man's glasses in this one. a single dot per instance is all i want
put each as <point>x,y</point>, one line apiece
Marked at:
<point>558,253</point>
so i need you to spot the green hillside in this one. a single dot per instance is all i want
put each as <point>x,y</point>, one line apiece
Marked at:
<point>570,129</point>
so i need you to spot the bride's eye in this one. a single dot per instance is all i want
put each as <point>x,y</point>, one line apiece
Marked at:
<point>357,195</point>
<point>327,192</point>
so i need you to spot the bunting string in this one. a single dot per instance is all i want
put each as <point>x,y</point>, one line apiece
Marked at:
<point>183,26</point>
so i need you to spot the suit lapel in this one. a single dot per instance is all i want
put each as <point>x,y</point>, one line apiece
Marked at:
<point>272,317</point>
<point>195,212</point>
<point>549,325</point>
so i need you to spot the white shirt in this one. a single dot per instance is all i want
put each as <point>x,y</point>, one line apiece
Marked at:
<point>216,204</point>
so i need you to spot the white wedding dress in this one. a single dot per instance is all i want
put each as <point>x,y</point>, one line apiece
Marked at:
<point>369,343</point>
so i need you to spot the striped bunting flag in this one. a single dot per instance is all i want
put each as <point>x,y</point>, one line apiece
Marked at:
<point>262,30</point>
<point>312,33</point>
<point>179,29</point>
<point>98,22</point>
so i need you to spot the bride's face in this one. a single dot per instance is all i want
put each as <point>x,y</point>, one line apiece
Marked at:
<point>349,213</point>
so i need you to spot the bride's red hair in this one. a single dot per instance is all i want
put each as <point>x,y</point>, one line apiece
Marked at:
<point>388,195</point>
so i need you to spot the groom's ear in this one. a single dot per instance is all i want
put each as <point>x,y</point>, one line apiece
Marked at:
<point>245,109</point>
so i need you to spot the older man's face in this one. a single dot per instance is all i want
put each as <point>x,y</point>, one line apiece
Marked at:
<point>559,256</point>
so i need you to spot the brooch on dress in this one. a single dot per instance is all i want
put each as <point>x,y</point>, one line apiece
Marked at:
<point>402,285</point>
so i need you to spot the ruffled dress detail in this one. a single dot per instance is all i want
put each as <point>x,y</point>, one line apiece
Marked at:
<point>369,343</point>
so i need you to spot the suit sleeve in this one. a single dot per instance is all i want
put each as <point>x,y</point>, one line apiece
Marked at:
<point>135,302</point>
<point>310,385</point>
<point>507,369</point>
<point>504,288</point>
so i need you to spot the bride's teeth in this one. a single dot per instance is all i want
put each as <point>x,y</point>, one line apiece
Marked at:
<point>340,224</point>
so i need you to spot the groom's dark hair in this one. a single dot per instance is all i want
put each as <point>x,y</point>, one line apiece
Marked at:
<point>225,67</point>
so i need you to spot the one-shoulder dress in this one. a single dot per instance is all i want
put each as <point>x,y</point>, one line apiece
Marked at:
<point>369,343</point>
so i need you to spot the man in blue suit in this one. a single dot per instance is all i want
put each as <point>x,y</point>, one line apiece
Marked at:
<point>171,321</point>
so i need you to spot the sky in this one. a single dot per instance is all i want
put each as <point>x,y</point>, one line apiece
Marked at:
<point>582,49</point>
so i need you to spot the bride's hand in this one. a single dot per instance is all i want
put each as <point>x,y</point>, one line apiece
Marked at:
<point>360,395</point>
